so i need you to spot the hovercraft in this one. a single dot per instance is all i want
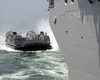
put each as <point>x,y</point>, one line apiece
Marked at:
<point>32,41</point>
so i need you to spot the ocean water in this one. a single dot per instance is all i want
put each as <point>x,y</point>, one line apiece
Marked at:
<point>40,65</point>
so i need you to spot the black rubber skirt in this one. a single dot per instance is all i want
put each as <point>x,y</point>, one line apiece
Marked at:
<point>31,46</point>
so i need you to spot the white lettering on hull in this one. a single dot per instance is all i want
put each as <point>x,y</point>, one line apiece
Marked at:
<point>75,14</point>
<point>78,14</point>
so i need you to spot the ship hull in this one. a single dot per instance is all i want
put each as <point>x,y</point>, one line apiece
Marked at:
<point>77,31</point>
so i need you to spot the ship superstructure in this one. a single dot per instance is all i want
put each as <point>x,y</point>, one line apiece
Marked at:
<point>76,26</point>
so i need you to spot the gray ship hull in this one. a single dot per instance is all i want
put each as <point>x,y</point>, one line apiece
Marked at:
<point>76,27</point>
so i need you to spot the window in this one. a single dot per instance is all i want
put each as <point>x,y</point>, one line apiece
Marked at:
<point>66,2</point>
<point>72,1</point>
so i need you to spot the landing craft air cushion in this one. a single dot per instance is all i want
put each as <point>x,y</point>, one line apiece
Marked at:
<point>32,41</point>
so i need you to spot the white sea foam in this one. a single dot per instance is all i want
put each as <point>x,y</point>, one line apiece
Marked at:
<point>2,44</point>
<point>0,77</point>
<point>16,75</point>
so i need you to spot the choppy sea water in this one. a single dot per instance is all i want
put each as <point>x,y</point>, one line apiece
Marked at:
<point>41,65</point>
<point>46,65</point>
